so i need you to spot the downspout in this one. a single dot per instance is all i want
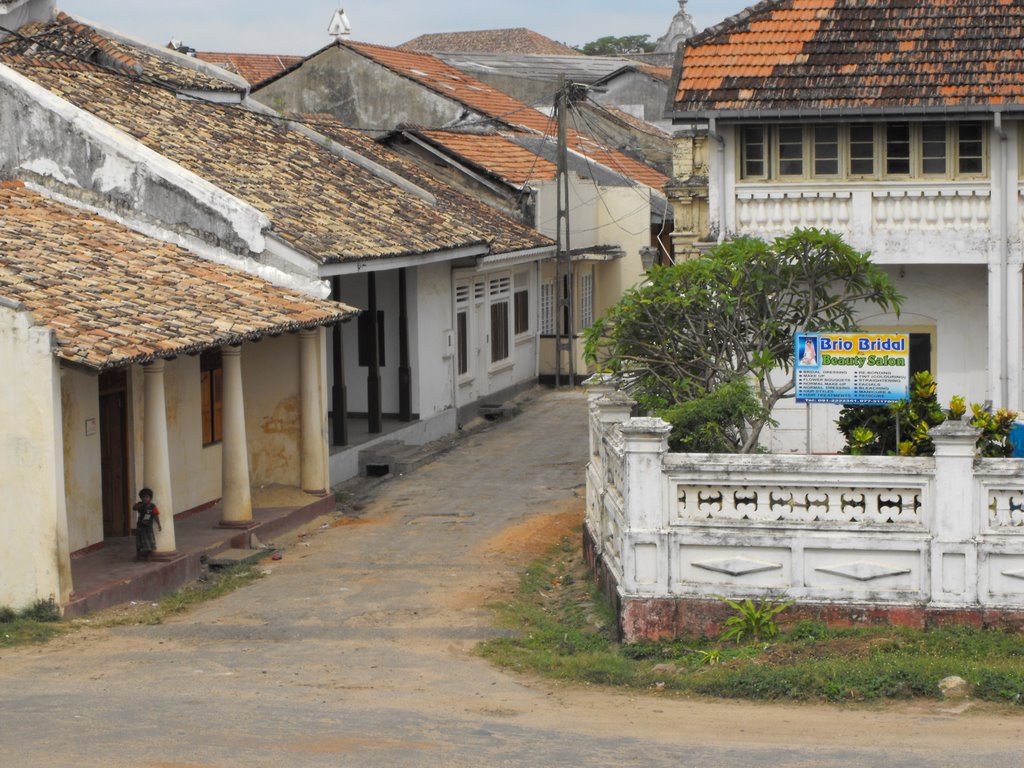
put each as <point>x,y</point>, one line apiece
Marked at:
<point>720,176</point>
<point>1003,234</point>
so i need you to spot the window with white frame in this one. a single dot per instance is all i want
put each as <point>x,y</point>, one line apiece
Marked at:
<point>521,303</point>
<point>462,306</point>
<point>499,295</point>
<point>587,299</point>
<point>547,308</point>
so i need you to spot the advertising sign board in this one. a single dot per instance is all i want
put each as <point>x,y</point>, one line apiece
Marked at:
<point>852,368</point>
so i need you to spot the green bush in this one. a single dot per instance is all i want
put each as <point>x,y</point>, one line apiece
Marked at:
<point>870,430</point>
<point>714,422</point>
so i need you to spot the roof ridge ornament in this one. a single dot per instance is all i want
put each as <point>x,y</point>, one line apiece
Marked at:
<point>339,26</point>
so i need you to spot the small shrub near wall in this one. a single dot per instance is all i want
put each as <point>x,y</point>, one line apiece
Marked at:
<point>902,428</point>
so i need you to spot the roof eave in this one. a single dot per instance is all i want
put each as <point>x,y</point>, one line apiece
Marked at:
<point>702,115</point>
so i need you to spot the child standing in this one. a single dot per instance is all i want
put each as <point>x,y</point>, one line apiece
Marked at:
<point>145,540</point>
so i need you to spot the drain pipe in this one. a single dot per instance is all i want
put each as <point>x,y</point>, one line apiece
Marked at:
<point>1004,303</point>
<point>720,174</point>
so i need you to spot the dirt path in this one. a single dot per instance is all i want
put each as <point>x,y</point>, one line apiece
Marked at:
<point>357,649</point>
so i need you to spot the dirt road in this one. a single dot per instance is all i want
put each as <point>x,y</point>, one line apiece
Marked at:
<point>357,650</point>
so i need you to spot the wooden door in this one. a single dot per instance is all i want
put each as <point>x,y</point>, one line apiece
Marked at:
<point>114,454</point>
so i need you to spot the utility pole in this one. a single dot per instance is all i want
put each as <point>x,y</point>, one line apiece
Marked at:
<point>564,326</point>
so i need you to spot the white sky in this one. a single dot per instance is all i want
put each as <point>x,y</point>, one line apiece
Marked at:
<point>300,26</point>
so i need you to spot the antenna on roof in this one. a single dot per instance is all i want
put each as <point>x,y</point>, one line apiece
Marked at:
<point>339,26</point>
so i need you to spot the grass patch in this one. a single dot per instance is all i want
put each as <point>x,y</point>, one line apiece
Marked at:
<point>561,627</point>
<point>218,584</point>
<point>42,621</point>
<point>35,624</point>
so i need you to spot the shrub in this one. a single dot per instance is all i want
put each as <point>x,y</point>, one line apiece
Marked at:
<point>870,430</point>
<point>755,622</point>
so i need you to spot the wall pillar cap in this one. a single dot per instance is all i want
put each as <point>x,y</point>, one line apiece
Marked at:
<point>640,426</point>
<point>954,431</point>
<point>599,384</point>
<point>614,406</point>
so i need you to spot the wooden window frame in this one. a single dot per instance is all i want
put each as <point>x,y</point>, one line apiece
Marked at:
<point>778,144</point>
<point>916,160</point>
<point>815,148</point>
<point>765,151</point>
<point>211,384</point>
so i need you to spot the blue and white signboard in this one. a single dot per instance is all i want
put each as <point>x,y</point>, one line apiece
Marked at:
<point>852,368</point>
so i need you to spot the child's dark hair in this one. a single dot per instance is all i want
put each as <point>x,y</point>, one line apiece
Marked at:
<point>146,492</point>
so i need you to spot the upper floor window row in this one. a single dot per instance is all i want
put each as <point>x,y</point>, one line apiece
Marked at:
<point>863,151</point>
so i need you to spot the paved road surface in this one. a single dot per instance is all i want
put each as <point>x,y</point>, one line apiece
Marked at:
<point>357,650</point>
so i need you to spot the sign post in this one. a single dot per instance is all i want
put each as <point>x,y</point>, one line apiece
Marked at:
<point>852,368</point>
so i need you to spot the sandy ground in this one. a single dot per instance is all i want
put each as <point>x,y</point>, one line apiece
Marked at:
<point>358,649</point>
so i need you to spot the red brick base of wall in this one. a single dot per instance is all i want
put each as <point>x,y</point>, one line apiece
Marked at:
<point>668,617</point>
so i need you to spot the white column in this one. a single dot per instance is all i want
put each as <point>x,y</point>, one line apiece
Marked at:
<point>645,545</point>
<point>996,339</point>
<point>312,446</point>
<point>236,498</point>
<point>156,457</point>
<point>1015,337</point>
<point>954,525</point>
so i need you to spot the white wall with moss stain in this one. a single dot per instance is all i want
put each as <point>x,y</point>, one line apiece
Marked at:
<point>83,481</point>
<point>33,523</point>
<point>273,409</point>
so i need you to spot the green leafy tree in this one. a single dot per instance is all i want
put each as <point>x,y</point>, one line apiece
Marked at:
<point>730,316</point>
<point>618,46</point>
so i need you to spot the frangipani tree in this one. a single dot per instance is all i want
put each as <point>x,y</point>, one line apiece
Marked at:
<point>699,341</point>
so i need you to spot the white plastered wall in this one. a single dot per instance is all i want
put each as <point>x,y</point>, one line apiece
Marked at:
<point>273,410</point>
<point>624,219</point>
<point>82,471</point>
<point>430,315</point>
<point>948,300</point>
<point>33,518</point>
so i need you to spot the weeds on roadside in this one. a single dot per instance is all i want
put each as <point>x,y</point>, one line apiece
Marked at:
<point>42,621</point>
<point>561,628</point>
<point>753,621</point>
<point>221,583</point>
<point>36,623</point>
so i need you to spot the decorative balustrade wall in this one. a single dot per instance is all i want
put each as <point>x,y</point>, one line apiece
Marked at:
<point>880,535</point>
<point>879,212</point>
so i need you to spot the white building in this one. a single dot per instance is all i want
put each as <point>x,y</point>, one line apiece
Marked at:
<point>900,129</point>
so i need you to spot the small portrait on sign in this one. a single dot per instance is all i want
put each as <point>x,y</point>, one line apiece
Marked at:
<point>807,351</point>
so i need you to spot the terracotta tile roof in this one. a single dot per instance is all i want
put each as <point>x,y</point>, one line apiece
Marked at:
<point>326,206</point>
<point>253,67</point>
<point>658,73</point>
<point>516,40</point>
<point>114,297</point>
<point>495,154</point>
<point>632,121</point>
<point>503,234</point>
<point>486,100</point>
<point>831,55</point>
<point>82,47</point>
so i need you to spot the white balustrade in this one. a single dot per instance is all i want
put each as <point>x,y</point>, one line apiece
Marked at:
<point>944,531</point>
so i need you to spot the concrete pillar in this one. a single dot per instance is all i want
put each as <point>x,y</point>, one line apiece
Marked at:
<point>1015,337</point>
<point>645,543</point>
<point>996,336</point>
<point>597,386</point>
<point>236,498</point>
<point>955,523</point>
<point>156,457</point>
<point>311,448</point>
